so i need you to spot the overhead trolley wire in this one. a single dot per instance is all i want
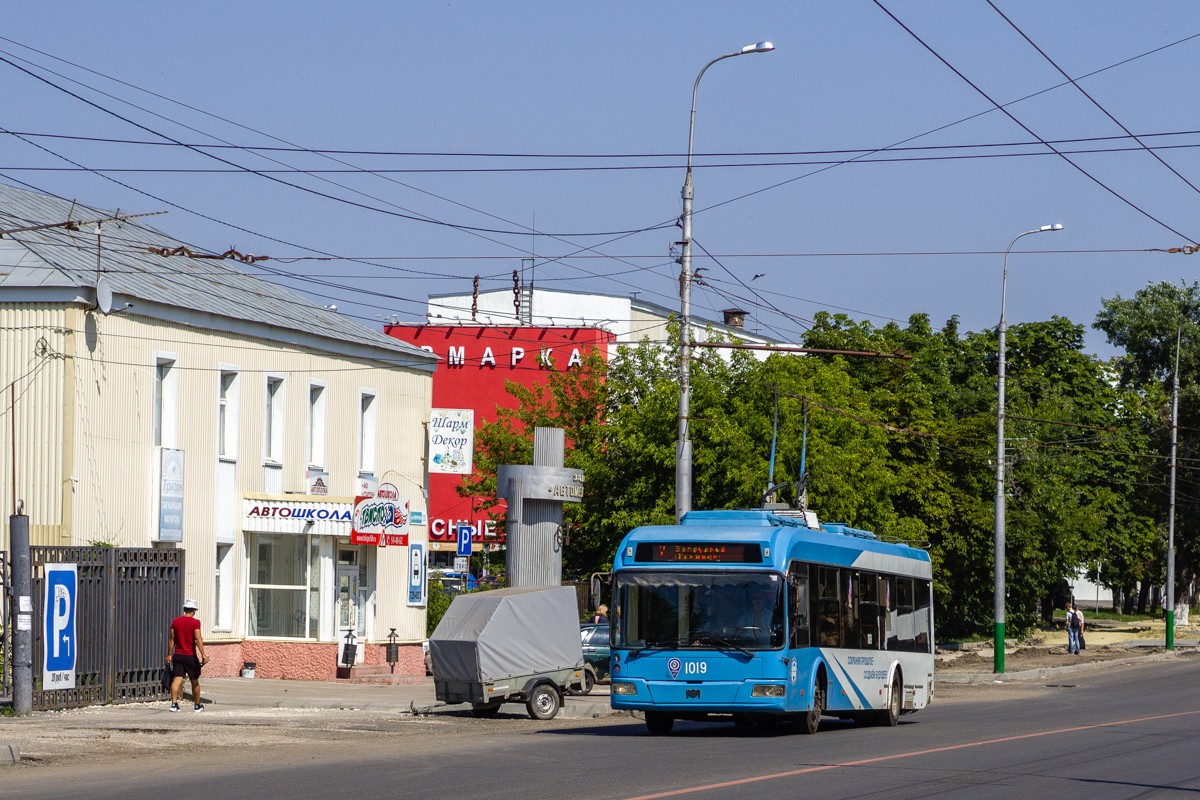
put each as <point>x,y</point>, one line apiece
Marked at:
<point>1093,100</point>
<point>1029,130</point>
<point>270,177</point>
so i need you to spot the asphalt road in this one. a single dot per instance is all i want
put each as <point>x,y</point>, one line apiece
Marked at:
<point>1119,733</point>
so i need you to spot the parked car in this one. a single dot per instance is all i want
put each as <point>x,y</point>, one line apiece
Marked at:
<point>594,639</point>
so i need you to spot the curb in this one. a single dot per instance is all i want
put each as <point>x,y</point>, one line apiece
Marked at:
<point>570,710</point>
<point>1047,672</point>
<point>10,754</point>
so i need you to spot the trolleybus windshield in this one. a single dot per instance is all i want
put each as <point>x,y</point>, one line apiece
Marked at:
<point>734,610</point>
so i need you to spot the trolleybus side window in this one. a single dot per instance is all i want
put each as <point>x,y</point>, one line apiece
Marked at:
<point>850,609</point>
<point>829,607</point>
<point>868,610</point>
<point>904,619</point>
<point>923,626</point>
<point>799,605</point>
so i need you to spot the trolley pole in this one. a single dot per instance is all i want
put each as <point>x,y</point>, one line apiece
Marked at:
<point>22,658</point>
<point>1170,604</point>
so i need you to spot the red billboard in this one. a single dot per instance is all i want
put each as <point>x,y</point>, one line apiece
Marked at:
<point>474,362</point>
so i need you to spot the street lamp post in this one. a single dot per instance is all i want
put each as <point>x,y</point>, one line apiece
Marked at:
<point>998,598</point>
<point>683,447</point>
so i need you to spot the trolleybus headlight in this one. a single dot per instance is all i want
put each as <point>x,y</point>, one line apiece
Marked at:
<point>767,690</point>
<point>619,687</point>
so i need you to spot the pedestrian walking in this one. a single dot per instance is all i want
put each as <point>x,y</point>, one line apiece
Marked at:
<point>186,654</point>
<point>1074,629</point>
<point>601,614</point>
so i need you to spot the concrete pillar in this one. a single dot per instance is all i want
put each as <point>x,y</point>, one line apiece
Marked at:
<point>534,554</point>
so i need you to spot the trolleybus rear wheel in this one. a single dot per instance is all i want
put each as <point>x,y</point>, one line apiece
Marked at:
<point>812,720</point>
<point>543,702</point>
<point>891,715</point>
<point>658,723</point>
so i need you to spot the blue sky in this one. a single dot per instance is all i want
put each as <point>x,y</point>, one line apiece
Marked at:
<point>615,78</point>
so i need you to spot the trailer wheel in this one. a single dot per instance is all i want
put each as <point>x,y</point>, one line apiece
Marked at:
<point>488,711</point>
<point>544,702</point>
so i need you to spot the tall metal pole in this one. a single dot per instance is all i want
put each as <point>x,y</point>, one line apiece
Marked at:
<point>1171,508</point>
<point>22,653</point>
<point>683,446</point>
<point>998,562</point>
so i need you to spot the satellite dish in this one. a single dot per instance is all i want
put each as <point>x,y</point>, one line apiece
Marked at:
<point>103,295</point>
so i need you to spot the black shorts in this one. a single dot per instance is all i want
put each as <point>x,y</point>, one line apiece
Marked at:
<point>185,665</point>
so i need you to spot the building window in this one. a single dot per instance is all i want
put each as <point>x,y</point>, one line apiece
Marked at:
<point>223,583</point>
<point>366,432</point>
<point>316,425</point>
<point>227,415</point>
<point>166,396</point>
<point>273,421</point>
<point>284,595</point>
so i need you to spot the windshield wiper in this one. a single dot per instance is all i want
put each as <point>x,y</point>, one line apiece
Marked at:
<point>726,645</point>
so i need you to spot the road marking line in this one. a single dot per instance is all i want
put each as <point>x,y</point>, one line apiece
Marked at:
<point>822,768</point>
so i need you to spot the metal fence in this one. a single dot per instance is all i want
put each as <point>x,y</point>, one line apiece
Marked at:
<point>126,600</point>
<point>6,627</point>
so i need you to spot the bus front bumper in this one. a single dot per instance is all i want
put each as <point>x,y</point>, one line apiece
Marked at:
<point>699,697</point>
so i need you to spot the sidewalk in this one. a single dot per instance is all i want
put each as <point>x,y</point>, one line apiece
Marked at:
<point>418,698</point>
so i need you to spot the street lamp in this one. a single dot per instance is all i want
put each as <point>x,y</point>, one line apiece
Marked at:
<point>683,447</point>
<point>998,599</point>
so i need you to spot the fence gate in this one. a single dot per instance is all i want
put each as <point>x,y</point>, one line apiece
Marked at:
<point>126,600</point>
<point>7,625</point>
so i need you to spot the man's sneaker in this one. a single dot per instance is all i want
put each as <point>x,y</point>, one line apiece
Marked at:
<point>198,708</point>
<point>174,707</point>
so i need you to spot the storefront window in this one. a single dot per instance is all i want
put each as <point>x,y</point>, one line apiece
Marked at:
<point>284,586</point>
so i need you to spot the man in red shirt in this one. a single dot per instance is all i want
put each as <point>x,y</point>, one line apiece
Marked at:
<point>186,655</point>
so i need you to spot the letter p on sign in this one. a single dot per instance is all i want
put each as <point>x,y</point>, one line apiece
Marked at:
<point>58,623</point>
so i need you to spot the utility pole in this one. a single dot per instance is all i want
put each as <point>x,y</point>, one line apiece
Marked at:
<point>1171,508</point>
<point>22,657</point>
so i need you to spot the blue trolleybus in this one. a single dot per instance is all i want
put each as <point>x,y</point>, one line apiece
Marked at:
<point>757,618</point>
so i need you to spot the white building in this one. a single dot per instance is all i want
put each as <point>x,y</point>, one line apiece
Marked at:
<point>629,319</point>
<point>199,412</point>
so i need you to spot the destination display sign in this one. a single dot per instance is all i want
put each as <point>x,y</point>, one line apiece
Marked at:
<point>700,552</point>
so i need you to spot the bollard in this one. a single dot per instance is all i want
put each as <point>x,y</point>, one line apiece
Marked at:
<point>18,538</point>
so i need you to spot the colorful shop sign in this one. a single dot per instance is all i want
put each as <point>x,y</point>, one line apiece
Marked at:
<point>320,516</point>
<point>381,520</point>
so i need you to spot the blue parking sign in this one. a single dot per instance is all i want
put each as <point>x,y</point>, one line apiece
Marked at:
<point>465,532</point>
<point>60,644</point>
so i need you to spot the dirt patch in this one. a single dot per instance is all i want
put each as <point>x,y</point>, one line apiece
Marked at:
<point>1034,657</point>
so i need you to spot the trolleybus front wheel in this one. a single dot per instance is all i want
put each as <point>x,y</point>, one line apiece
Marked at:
<point>658,723</point>
<point>812,720</point>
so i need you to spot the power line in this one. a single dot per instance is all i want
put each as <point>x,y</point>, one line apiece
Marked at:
<point>1029,130</point>
<point>948,125</point>
<point>594,156</point>
<point>325,195</point>
<point>383,172</point>
<point>1096,103</point>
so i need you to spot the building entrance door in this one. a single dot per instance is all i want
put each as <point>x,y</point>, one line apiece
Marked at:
<point>350,611</point>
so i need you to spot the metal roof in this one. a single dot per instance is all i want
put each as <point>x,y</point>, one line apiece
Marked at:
<point>65,258</point>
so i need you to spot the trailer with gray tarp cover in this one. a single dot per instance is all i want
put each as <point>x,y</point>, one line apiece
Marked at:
<point>518,645</point>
